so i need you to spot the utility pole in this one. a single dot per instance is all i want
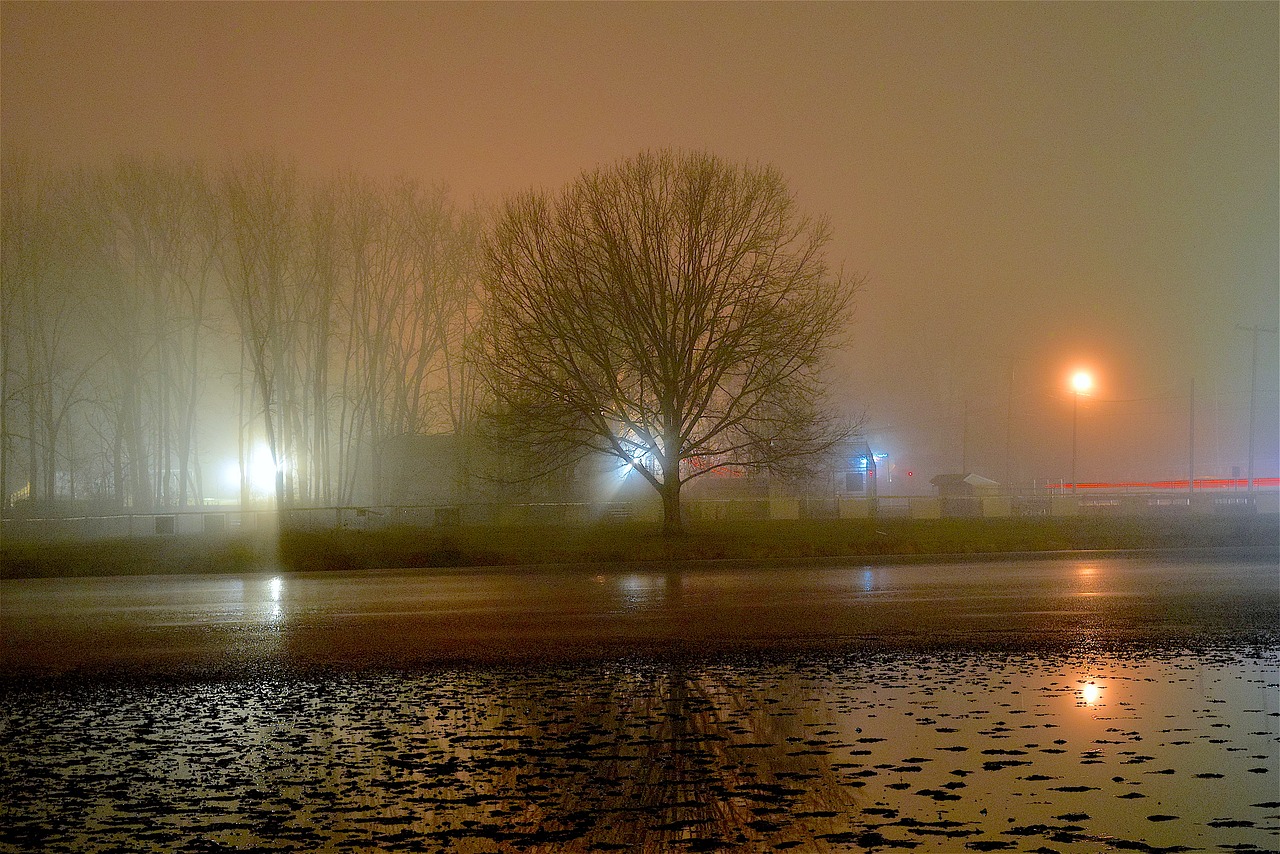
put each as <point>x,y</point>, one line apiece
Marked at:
<point>1191,440</point>
<point>1075,421</point>
<point>1008,437</point>
<point>1253,390</point>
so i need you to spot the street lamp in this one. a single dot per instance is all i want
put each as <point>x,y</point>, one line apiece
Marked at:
<point>1081,382</point>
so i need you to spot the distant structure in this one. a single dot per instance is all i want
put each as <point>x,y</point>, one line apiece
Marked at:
<point>966,494</point>
<point>449,470</point>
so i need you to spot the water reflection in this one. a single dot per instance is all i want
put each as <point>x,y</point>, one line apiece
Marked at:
<point>1086,579</point>
<point>636,591</point>
<point>663,759</point>
<point>274,588</point>
<point>1090,693</point>
<point>937,753</point>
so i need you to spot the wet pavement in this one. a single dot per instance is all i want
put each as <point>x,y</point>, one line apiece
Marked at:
<point>1077,704</point>
<point>256,624</point>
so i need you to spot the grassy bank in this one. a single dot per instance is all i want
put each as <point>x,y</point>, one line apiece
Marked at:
<point>614,544</point>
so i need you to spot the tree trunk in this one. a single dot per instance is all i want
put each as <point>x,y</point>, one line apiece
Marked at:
<point>117,465</point>
<point>672,525</point>
<point>33,454</point>
<point>669,459</point>
<point>50,447</point>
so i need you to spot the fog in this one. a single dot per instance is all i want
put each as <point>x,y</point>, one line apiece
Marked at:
<point>1027,189</point>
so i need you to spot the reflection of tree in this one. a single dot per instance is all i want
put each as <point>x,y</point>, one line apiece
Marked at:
<point>674,759</point>
<point>630,758</point>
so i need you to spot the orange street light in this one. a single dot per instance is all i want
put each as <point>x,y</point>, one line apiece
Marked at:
<point>1081,383</point>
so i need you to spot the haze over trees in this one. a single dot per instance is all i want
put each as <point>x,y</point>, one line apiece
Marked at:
<point>156,307</point>
<point>672,311</point>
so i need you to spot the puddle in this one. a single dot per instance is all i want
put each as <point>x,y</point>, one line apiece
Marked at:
<point>945,752</point>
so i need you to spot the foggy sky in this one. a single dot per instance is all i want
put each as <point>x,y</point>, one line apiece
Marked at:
<point>1028,188</point>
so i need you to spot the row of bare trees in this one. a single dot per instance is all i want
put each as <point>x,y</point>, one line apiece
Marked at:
<point>672,311</point>
<point>152,308</point>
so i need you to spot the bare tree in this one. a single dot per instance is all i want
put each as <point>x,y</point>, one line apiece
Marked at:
<point>437,388</point>
<point>259,264</point>
<point>324,275</point>
<point>408,258</point>
<point>148,231</point>
<point>41,367</point>
<point>348,304</point>
<point>671,311</point>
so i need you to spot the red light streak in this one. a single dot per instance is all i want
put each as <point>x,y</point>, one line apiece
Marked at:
<point>1166,485</point>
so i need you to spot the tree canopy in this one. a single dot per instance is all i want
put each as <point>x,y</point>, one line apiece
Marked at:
<point>672,310</point>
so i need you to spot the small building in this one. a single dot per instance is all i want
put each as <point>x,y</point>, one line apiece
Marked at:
<point>969,494</point>
<point>854,469</point>
<point>965,486</point>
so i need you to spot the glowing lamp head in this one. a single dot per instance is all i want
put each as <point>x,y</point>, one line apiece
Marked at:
<point>1081,382</point>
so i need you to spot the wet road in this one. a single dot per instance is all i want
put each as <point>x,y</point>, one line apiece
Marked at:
<point>407,618</point>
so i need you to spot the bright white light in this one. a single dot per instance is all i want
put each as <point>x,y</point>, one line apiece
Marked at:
<point>1081,382</point>
<point>262,471</point>
<point>1090,693</point>
<point>637,461</point>
<point>259,470</point>
<point>276,585</point>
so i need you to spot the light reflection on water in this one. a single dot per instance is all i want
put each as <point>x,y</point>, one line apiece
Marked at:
<point>637,591</point>
<point>275,587</point>
<point>1077,597</point>
<point>1090,693</point>
<point>1072,752</point>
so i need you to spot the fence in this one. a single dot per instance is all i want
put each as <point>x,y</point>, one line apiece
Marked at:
<point>235,521</point>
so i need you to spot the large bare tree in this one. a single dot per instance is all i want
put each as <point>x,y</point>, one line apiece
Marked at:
<point>672,311</point>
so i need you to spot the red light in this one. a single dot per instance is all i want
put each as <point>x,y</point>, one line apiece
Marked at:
<point>910,473</point>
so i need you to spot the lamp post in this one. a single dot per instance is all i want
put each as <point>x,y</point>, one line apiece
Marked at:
<point>1081,382</point>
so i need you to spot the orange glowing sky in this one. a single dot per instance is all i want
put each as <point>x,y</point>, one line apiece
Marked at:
<point>1027,187</point>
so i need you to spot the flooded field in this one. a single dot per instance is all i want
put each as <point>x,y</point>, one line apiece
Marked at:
<point>949,751</point>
